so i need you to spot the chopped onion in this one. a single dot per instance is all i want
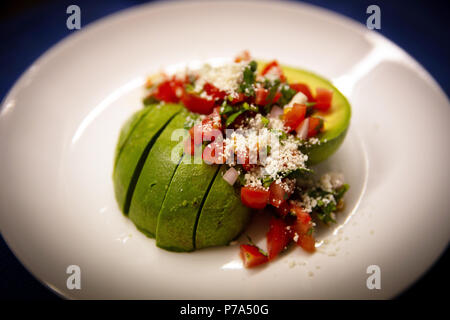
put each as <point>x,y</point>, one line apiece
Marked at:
<point>231,175</point>
<point>276,112</point>
<point>299,98</point>
<point>302,129</point>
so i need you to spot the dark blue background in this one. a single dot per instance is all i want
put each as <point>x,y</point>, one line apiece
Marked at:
<point>29,28</point>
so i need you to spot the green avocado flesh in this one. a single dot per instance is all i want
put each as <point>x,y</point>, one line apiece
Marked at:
<point>223,216</point>
<point>156,176</point>
<point>126,130</point>
<point>336,120</point>
<point>184,198</point>
<point>134,151</point>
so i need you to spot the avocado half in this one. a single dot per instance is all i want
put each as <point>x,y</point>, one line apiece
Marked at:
<point>336,120</point>
<point>185,205</point>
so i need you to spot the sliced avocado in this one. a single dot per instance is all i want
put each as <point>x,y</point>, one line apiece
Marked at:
<point>223,216</point>
<point>336,120</point>
<point>127,129</point>
<point>136,149</point>
<point>184,198</point>
<point>156,175</point>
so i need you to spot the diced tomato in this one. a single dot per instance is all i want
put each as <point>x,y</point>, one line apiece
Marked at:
<point>307,242</point>
<point>197,104</point>
<point>294,116</point>
<point>256,198</point>
<point>243,158</point>
<point>252,256</point>
<point>278,195</point>
<point>275,68</point>
<point>216,118</point>
<point>278,237</point>
<point>213,153</point>
<point>211,129</point>
<point>314,127</point>
<point>208,129</point>
<point>303,222</point>
<point>276,97</point>
<point>283,209</point>
<point>243,56</point>
<point>196,133</point>
<point>323,99</point>
<point>302,228</point>
<point>193,130</point>
<point>169,91</point>
<point>303,88</point>
<point>238,99</point>
<point>214,92</point>
<point>262,94</point>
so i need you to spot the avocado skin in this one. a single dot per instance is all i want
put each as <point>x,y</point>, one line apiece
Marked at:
<point>135,148</point>
<point>155,178</point>
<point>319,153</point>
<point>178,215</point>
<point>223,216</point>
<point>127,129</point>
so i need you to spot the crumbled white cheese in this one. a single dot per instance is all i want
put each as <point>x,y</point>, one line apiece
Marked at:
<point>308,203</point>
<point>331,181</point>
<point>264,148</point>
<point>204,95</point>
<point>225,77</point>
<point>276,124</point>
<point>256,122</point>
<point>313,141</point>
<point>272,75</point>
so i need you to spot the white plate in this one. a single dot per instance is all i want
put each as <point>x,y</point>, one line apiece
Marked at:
<point>60,122</point>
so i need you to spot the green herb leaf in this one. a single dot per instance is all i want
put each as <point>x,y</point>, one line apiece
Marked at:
<point>267,181</point>
<point>287,93</point>
<point>273,89</point>
<point>226,109</point>
<point>249,77</point>
<point>233,117</point>
<point>264,121</point>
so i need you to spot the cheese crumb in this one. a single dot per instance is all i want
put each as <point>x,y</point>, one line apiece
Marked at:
<point>226,77</point>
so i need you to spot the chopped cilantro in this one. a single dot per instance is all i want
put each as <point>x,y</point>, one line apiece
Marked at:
<point>264,121</point>
<point>267,181</point>
<point>189,87</point>
<point>287,93</point>
<point>271,95</point>
<point>248,80</point>
<point>233,117</point>
<point>226,109</point>
<point>325,209</point>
